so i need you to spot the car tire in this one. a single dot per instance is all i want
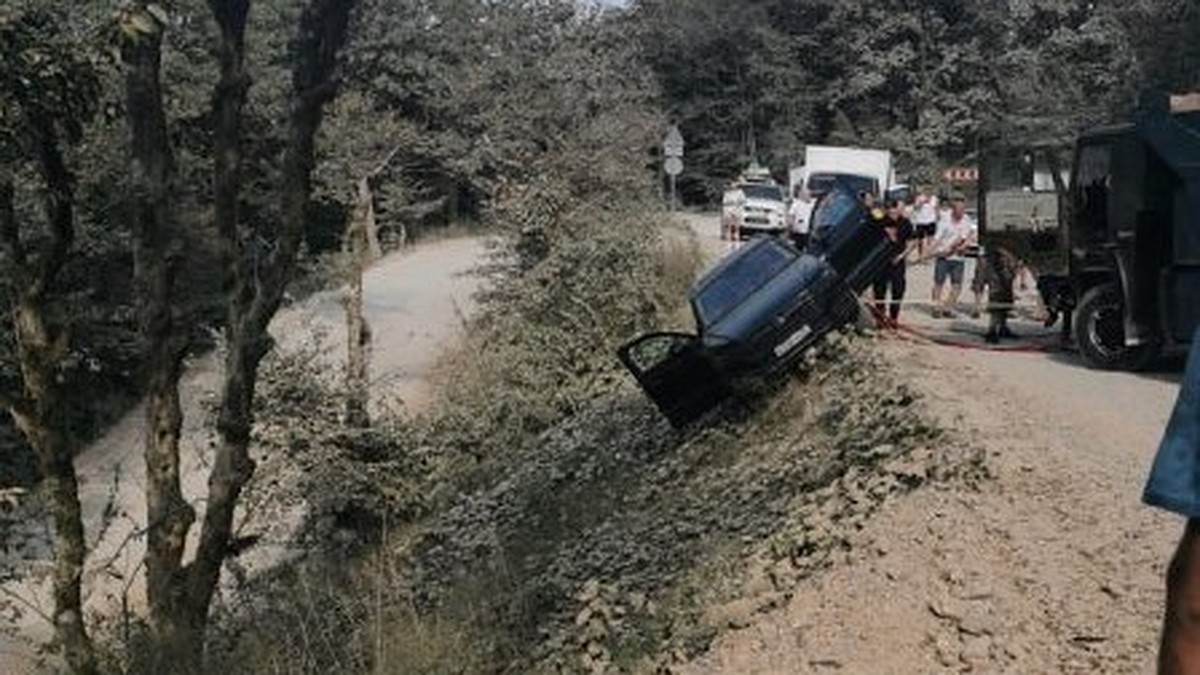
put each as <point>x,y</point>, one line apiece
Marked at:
<point>1100,332</point>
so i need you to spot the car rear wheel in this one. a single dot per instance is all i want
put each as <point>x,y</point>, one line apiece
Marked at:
<point>1100,332</point>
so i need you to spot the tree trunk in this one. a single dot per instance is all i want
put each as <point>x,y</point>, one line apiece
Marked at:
<point>43,422</point>
<point>358,333</point>
<point>361,247</point>
<point>156,259</point>
<point>39,411</point>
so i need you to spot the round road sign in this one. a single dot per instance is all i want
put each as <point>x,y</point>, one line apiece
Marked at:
<point>673,166</point>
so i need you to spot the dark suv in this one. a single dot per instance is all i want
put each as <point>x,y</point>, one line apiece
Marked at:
<point>760,309</point>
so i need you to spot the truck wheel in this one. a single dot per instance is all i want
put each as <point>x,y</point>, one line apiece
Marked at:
<point>1100,332</point>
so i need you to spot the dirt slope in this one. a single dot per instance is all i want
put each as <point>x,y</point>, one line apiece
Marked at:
<point>1052,567</point>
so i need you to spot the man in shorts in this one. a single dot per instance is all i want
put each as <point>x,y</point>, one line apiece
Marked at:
<point>1174,485</point>
<point>956,232</point>
<point>924,218</point>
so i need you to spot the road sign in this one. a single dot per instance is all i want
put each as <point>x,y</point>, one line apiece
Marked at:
<point>673,143</point>
<point>673,166</point>
<point>961,174</point>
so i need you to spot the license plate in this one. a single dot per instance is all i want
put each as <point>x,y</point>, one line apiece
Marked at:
<point>793,340</point>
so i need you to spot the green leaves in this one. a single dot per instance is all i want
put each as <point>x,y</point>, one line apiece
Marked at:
<point>46,76</point>
<point>759,79</point>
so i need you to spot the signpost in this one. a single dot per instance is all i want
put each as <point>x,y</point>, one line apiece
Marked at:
<point>673,158</point>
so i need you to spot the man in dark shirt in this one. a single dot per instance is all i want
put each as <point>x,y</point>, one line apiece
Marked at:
<point>900,230</point>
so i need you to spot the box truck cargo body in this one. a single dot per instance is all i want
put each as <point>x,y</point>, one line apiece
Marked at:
<point>856,169</point>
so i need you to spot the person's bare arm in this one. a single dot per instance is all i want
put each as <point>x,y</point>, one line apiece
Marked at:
<point>1180,650</point>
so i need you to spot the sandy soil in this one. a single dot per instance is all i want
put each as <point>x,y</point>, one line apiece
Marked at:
<point>1052,567</point>
<point>415,302</point>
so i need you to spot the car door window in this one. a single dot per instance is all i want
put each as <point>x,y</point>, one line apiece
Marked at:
<point>1092,182</point>
<point>652,351</point>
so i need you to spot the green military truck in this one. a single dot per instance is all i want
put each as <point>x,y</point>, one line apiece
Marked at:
<point>1116,242</point>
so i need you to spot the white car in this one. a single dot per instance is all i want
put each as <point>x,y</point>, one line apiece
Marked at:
<point>764,209</point>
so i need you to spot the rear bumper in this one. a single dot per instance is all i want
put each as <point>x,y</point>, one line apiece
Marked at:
<point>750,229</point>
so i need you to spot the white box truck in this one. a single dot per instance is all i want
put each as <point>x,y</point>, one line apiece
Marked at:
<point>858,169</point>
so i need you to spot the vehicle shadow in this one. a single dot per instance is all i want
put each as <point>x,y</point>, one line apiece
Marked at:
<point>1167,369</point>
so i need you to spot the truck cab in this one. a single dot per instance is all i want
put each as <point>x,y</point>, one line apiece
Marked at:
<point>1134,238</point>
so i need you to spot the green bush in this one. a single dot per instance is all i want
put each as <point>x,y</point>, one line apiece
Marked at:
<point>565,291</point>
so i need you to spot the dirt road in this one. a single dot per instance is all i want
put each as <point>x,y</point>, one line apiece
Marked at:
<point>1052,567</point>
<point>414,302</point>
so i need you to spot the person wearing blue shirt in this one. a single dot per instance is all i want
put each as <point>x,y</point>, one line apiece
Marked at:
<point>1174,485</point>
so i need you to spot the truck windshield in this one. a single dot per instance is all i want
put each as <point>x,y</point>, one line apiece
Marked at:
<point>821,183</point>
<point>767,192</point>
<point>745,272</point>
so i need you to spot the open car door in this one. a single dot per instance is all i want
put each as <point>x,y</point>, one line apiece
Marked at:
<point>676,373</point>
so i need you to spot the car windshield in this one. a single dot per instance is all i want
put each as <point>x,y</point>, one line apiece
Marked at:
<point>742,275</point>
<point>821,183</point>
<point>769,192</point>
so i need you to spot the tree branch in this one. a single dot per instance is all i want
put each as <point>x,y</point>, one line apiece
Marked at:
<point>229,97</point>
<point>383,163</point>
<point>10,235</point>
<point>58,203</point>
<point>156,265</point>
<point>320,37</point>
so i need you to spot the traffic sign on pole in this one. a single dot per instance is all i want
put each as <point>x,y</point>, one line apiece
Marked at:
<point>673,166</point>
<point>673,143</point>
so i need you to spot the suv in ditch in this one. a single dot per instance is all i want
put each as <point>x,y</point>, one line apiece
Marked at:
<point>760,309</point>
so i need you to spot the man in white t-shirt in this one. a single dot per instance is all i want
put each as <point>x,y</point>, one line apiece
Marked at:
<point>799,215</point>
<point>924,218</point>
<point>956,232</point>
